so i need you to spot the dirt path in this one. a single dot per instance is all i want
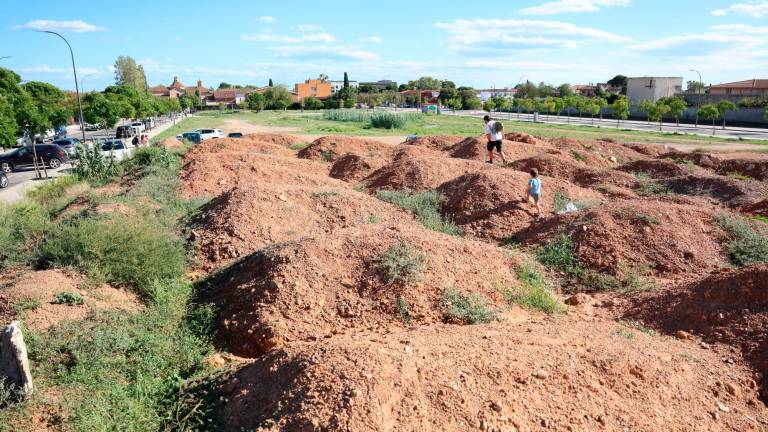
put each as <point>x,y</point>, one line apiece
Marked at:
<point>235,125</point>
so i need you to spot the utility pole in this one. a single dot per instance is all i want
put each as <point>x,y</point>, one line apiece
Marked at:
<point>701,86</point>
<point>74,71</point>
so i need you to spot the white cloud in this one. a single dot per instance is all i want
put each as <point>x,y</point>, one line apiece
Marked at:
<point>46,69</point>
<point>324,52</point>
<point>730,39</point>
<point>309,27</point>
<point>76,26</point>
<point>267,19</point>
<point>478,36</point>
<point>572,6</point>
<point>755,9</point>
<point>371,39</point>
<point>270,37</point>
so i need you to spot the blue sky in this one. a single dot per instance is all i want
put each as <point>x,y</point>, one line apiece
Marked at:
<point>483,44</point>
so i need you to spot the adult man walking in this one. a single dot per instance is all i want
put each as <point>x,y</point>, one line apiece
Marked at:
<point>494,135</point>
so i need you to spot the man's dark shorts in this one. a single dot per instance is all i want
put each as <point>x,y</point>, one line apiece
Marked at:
<point>492,144</point>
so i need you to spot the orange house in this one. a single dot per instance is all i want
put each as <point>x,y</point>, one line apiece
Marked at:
<point>314,88</point>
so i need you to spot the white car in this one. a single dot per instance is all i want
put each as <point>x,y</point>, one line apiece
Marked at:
<point>116,149</point>
<point>137,125</point>
<point>206,134</point>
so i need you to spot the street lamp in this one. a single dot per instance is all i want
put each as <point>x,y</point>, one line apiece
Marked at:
<point>701,87</point>
<point>74,71</point>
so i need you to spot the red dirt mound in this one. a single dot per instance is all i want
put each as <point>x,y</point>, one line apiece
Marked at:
<point>596,153</point>
<point>491,204</point>
<point>353,168</point>
<point>235,145</point>
<point>729,307</point>
<point>515,377</point>
<point>435,142</point>
<point>672,236</point>
<point>208,174</point>
<point>758,208</point>
<point>330,148</point>
<point>329,284</point>
<point>754,168</point>
<point>523,138</point>
<point>419,170</point>
<point>250,217</point>
<point>563,167</point>
<point>655,168</point>
<point>651,150</point>
<point>476,149</point>
<point>730,191</point>
<point>170,143</point>
<point>275,138</point>
<point>703,160</point>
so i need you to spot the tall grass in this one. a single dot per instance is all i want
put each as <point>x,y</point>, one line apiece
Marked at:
<point>425,205</point>
<point>378,119</point>
<point>745,244</point>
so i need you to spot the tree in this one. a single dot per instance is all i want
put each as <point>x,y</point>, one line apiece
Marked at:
<point>710,112</point>
<point>128,73</point>
<point>322,77</point>
<point>619,82</point>
<point>188,101</point>
<point>8,126</point>
<point>277,98</point>
<point>620,109</point>
<point>489,105</point>
<point>677,106</point>
<point>501,103</point>
<point>559,104</point>
<point>526,91</point>
<point>544,90</point>
<point>564,90</point>
<point>447,94</point>
<point>657,111</point>
<point>724,106</point>
<point>601,103</point>
<point>695,87</point>
<point>593,107</point>
<point>765,115</point>
<point>313,103</point>
<point>645,106</point>
<point>425,83</point>
<point>98,110</point>
<point>224,85</point>
<point>346,80</point>
<point>469,99</point>
<point>49,101</point>
<point>255,101</point>
<point>270,83</point>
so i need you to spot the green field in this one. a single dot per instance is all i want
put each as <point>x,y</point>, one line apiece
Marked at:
<point>313,123</point>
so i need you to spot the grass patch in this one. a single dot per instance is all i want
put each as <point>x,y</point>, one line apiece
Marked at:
<point>534,293</point>
<point>26,304</point>
<point>636,216</point>
<point>374,219</point>
<point>744,244</point>
<point>561,201</point>
<point>298,146</point>
<point>468,308</point>
<point>376,119</point>
<point>324,194</point>
<point>402,264</point>
<point>68,298</point>
<point>634,325</point>
<point>578,156</point>
<point>426,206</point>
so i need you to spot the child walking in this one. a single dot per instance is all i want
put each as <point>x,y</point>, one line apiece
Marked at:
<point>534,191</point>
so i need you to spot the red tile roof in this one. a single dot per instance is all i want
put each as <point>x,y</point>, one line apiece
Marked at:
<point>746,84</point>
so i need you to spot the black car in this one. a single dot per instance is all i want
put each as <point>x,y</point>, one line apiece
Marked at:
<point>123,132</point>
<point>3,180</point>
<point>68,144</point>
<point>23,157</point>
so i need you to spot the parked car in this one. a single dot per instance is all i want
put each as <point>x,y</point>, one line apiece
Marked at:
<point>235,135</point>
<point>68,144</point>
<point>138,126</point>
<point>206,134</point>
<point>51,154</point>
<point>116,149</point>
<point>92,127</point>
<point>124,132</point>
<point>3,180</point>
<point>193,137</point>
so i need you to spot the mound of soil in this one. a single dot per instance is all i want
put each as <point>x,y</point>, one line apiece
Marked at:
<point>703,160</point>
<point>651,150</point>
<point>754,168</point>
<point>330,284</point>
<point>671,236</point>
<point>757,208</point>
<point>239,145</point>
<point>729,307</point>
<point>515,377</point>
<point>419,170</point>
<point>330,148</point>
<point>30,296</point>
<point>655,168</point>
<point>275,138</point>
<point>730,191</point>
<point>476,149</point>
<point>353,168</point>
<point>565,168</point>
<point>492,205</point>
<point>209,174</point>
<point>523,138</point>
<point>250,217</point>
<point>170,143</point>
<point>435,142</point>
<point>596,153</point>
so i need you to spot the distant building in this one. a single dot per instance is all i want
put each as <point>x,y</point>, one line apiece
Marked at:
<point>229,97</point>
<point>486,94</point>
<point>587,90</point>
<point>427,96</point>
<point>177,89</point>
<point>313,88</point>
<point>338,85</point>
<point>753,87</point>
<point>652,88</point>
<point>380,85</point>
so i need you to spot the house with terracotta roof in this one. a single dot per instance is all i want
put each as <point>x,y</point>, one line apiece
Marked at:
<point>177,89</point>
<point>313,88</point>
<point>753,87</point>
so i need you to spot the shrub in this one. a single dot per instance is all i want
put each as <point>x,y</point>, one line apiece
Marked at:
<point>25,304</point>
<point>402,310</point>
<point>68,298</point>
<point>534,292</point>
<point>298,146</point>
<point>23,227</point>
<point>401,263</point>
<point>745,245</point>
<point>389,120</point>
<point>468,308</point>
<point>558,253</point>
<point>92,164</point>
<point>426,206</point>
<point>346,115</point>
<point>52,190</point>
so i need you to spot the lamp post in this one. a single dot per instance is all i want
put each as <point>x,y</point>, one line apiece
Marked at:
<point>701,87</point>
<point>74,71</point>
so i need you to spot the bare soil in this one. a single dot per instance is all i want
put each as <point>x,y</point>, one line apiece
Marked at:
<point>435,142</point>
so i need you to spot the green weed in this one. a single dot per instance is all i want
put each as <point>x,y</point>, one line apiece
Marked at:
<point>745,245</point>
<point>68,298</point>
<point>402,310</point>
<point>426,206</point>
<point>25,304</point>
<point>534,293</point>
<point>402,263</point>
<point>468,308</point>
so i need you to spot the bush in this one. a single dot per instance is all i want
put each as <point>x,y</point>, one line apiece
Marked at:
<point>92,164</point>
<point>745,244</point>
<point>558,253</point>
<point>23,227</point>
<point>468,308</point>
<point>402,310</point>
<point>389,120</point>
<point>401,263</point>
<point>68,298</point>
<point>53,189</point>
<point>346,115</point>
<point>426,206</point>
<point>534,292</point>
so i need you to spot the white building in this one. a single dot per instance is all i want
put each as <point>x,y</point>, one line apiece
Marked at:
<point>486,94</point>
<point>652,88</point>
<point>338,85</point>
